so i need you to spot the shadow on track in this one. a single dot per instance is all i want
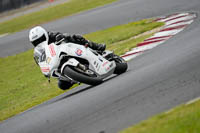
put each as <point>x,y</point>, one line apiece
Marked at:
<point>68,94</point>
<point>81,90</point>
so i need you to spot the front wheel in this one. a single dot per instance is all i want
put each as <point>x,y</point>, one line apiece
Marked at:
<point>88,78</point>
<point>121,65</point>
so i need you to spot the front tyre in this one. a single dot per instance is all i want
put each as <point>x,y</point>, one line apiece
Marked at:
<point>92,79</point>
<point>121,65</point>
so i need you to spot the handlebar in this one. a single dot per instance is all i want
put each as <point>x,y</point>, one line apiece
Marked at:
<point>57,43</point>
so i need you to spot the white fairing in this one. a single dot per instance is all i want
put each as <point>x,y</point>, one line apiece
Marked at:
<point>96,62</point>
<point>52,59</point>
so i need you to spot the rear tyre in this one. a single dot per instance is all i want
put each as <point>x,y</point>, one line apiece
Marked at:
<point>121,65</point>
<point>93,79</point>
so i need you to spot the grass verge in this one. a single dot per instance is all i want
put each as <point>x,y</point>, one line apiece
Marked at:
<point>50,14</point>
<point>23,86</point>
<point>182,119</point>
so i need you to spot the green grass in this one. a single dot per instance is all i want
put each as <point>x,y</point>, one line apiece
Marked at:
<point>183,119</point>
<point>122,32</point>
<point>125,46</point>
<point>50,14</point>
<point>22,85</point>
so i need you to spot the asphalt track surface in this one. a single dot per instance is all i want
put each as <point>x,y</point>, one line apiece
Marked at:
<point>158,80</point>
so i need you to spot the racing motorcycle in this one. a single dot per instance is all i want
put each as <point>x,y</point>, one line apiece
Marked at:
<point>78,63</point>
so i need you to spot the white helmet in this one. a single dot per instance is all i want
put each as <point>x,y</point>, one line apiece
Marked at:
<point>38,35</point>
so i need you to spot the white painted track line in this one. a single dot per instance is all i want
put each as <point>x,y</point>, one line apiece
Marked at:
<point>3,35</point>
<point>192,101</point>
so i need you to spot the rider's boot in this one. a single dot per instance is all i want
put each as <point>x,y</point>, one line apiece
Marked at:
<point>95,46</point>
<point>98,47</point>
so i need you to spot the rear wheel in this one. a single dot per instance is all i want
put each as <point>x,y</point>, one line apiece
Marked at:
<point>121,65</point>
<point>87,76</point>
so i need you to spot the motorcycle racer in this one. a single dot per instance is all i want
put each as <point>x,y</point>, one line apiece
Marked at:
<point>38,34</point>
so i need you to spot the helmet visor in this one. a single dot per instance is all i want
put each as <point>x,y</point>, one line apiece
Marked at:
<point>39,40</point>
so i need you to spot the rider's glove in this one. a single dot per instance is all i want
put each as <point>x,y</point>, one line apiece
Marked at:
<point>86,45</point>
